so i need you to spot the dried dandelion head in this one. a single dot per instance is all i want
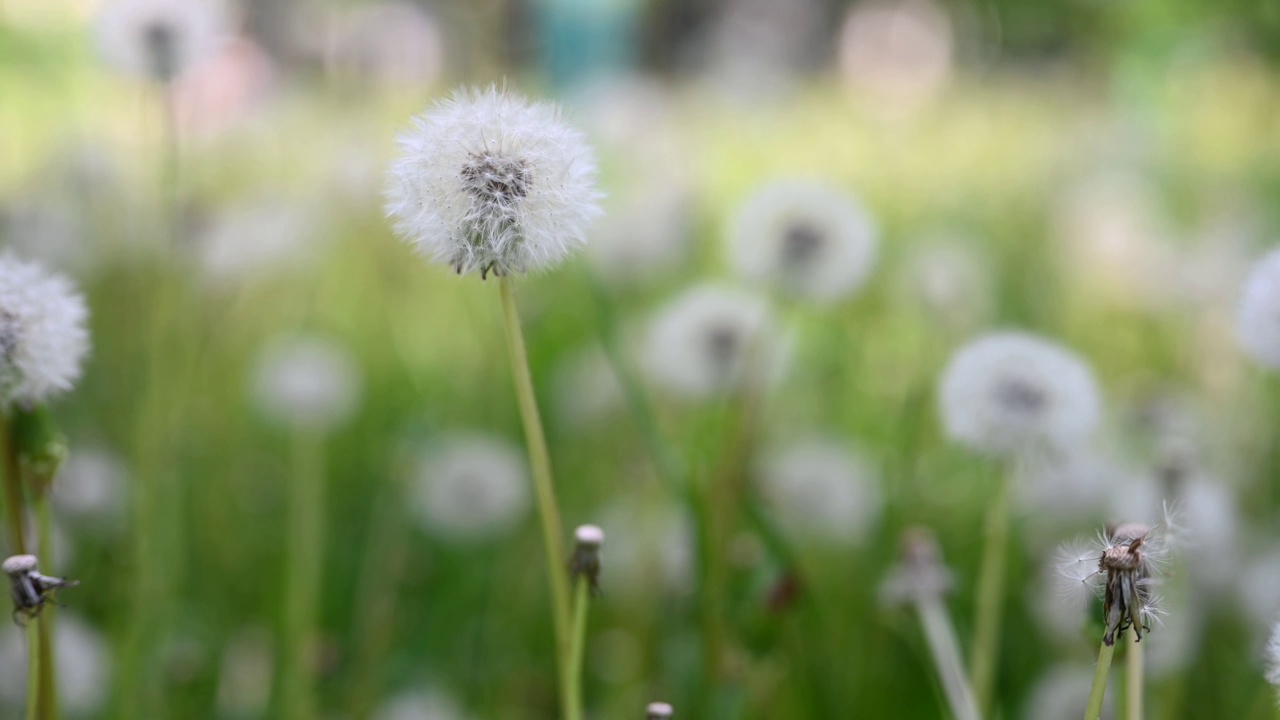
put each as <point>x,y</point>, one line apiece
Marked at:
<point>1122,568</point>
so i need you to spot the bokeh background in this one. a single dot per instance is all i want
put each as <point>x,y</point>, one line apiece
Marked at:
<point>1102,173</point>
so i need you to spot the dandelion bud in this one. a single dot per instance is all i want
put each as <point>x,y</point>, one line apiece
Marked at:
<point>31,590</point>
<point>488,181</point>
<point>19,565</point>
<point>43,339</point>
<point>585,560</point>
<point>659,711</point>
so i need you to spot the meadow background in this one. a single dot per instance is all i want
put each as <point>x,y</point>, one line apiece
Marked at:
<point>1100,173</point>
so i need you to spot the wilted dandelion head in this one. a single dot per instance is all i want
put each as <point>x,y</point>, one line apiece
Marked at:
<point>158,39</point>
<point>809,239</point>
<point>920,573</point>
<point>711,340</point>
<point>1121,567</point>
<point>470,487</point>
<point>1258,315</point>
<point>488,181</point>
<point>1009,391</point>
<point>307,382</point>
<point>84,667</point>
<point>821,489</point>
<point>43,339</point>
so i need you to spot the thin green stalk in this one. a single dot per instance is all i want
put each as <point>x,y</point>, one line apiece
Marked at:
<point>13,495</point>
<point>1133,680</point>
<point>543,484</point>
<point>986,641</point>
<point>577,648</point>
<point>1093,711</point>
<point>945,649</point>
<point>305,563</point>
<point>33,670</point>
<point>47,684</point>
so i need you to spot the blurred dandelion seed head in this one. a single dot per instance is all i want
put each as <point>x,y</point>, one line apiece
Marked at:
<point>43,340</point>
<point>920,573</point>
<point>470,487</point>
<point>809,239</point>
<point>158,39</point>
<point>84,668</point>
<point>1009,392</point>
<point>1258,315</point>
<point>307,382</point>
<point>822,490</point>
<point>488,181</point>
<point>1271,656</point>
<point>711,340</point>
<point>421,705</point>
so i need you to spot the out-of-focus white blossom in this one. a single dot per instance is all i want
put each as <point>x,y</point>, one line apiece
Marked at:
<point>256,241</point>
<point>158,39</point>
<point>821,489</point>
<point>651,548</point>
<point>470,487</point>
<point>642,236</point>
<point>586,388</point>
<point>1007,392</point>
<point>308,382</point>
<point>421,705</point>
<point>43,339</point>
<point>84,669</point>
<point>1258,317</point>
<point>488,181</point>
<point>951,281</point>
<point>807,238</point>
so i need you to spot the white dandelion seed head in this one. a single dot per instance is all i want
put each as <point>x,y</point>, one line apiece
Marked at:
<point>256,241</point>
<point>470,487</point>
<point>84,669</point>
<point>158,39</point>
<point>950,281</point>
<point>711,340</point>
<point>248,663</point>
<point>651,549</point>
<point>1258,315</point>
<point>821,489</point>
<point>91,484</point>
<point>642,236</point>
<point>1009,392</point>
<point>43,340</point>
<point>809,239</point>
<point>421,705</point>
<point>586,388</point>
<point>310,382</point>
<point>1061,692</point>
<point>489,181</point>
<point>1065,487</point>
<point>1258,589</point>
<point>1272,656</point>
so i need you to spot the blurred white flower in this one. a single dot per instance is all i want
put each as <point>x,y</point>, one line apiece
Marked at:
<point>1272,657</point>
<point>158,39</point>
<point>1007,392</point>
<point>951,281</point>
<point>488,181</point>
<point>1258,317</point>
<point>808,238</point>
<point>307,382</point>
<point>1258,588</point>
<point>642,236</point>
<point>899,52</point>
<point>586,388</point>
<point>1062,692</point>
<point>43,339</point>
<point>255,241</point>
<point>91,484</point>
<point>821,489</point>
<point>244,681</point>
<point>84,670</point>
<point>651,548</point>
<point>713,339</point>
<point>470,487</point>
<point>421,705</point>
<point>389,43</point>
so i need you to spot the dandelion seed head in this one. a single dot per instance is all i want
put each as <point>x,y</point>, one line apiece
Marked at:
<point>643,235</point>
<point>470,487</point>
<point>43,340</point>
<point>1272,656</point>
<point>158,39</point>
<point>712,340</point>
<point>255,241</point>
<point>1008,392</point>
<point>488,181</point>
<point>91,484</point>
<point>809,239</point>
<point>307,381</point>
<point>1258,314</point>
<point>821,489</point>
<point>430,704</point>
<point>84,669</point>
<point>586,388</point>
<point>589,536</point>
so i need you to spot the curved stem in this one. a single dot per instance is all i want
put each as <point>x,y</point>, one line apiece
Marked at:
<point>1094,709</point>
<point>986,641</point>
<point>1133,680</point>
<point>543,484</point>
<point>577,649</point>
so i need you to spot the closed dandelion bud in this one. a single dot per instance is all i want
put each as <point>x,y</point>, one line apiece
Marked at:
<point>158,39</point>
<point>488,181</point>
<point>585,561</point>
<point>659,711</point>
<point>43,339</point>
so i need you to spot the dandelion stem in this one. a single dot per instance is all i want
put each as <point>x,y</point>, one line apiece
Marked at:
<point>1093,711</point>
<point>986,642</point>
<point>47,684</point>
<point>577,648</point>
<point>1133,680</point>
<point>944,647</point>
<point>13,489</point>
<point>33,670</point>
<point>544,485</point>
<point>305,562</point>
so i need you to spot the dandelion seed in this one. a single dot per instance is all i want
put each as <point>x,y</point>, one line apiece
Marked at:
<point>1008,392</point>
<point>43,339</point>
<point>712,340</point>
<point>307,382</point>
<point>1258,315</point>
<point>809,239</point>
<point>470,487</point>
<point>490,182</point>
<point>659,711</point>
<point>158,39</point>
<point>821,489</point>
<point>1122,567</point>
